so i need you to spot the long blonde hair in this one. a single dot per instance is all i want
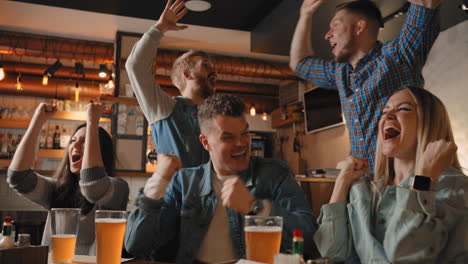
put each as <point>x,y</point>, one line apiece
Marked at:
<point>433,124</point>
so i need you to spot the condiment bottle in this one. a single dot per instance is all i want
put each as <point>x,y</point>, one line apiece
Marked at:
<point>7,240</point>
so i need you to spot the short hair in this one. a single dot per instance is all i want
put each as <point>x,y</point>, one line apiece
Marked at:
<point>433,124</point>
<point>365,8</point>
<point>219,104</point>
<point>182,64</point>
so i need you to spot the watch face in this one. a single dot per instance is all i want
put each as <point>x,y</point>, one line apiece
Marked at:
<point>422,183</point>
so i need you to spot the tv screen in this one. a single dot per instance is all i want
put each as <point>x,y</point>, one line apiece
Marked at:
<point>322,109</point>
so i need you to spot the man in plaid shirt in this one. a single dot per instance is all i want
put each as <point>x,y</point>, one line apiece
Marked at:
<point>364,71</point>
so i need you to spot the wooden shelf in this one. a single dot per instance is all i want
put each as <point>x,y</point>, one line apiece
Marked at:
<point>8,123</point>
<point>112,99</point>
<point>51,153</point>
<point>311,179</point>
<point>5,162</point>
<point>60,115</point>
<point>74,116</point>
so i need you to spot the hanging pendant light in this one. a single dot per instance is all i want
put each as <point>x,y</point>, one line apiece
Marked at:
<point>264,116</point>
<point>103,71</point>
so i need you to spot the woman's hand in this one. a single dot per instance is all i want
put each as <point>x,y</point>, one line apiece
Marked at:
<point>437,156</point>
<point>44,112</point>
<point>94,112</point>
<point>352,169</point>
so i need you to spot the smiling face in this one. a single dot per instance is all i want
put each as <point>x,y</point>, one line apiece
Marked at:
<point>75,150</point>
<point>340,36</point>
<point>398,126</point>
<point>228,141</point>
<point>204,75</point>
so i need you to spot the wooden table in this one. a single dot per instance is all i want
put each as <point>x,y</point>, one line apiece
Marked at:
<point>317,190</point>
<point>80,259</point>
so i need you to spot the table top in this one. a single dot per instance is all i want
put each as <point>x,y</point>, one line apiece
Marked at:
<point>312,179</point>
<point>80,259</point>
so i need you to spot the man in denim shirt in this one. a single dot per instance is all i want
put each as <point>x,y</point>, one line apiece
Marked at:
<point>204,206</point>
<point>173,120</point>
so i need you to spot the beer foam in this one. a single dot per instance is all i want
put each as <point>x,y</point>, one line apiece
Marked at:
<point>64,235</point>
<point>111,220</point>
<point>263,229</point>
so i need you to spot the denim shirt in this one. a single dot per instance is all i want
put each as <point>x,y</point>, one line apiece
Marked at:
<point>178,134</point>
<point>188,206</point>
<point>406,226</point>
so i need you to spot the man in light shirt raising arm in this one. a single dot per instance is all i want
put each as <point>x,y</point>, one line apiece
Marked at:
<point>173,120</point>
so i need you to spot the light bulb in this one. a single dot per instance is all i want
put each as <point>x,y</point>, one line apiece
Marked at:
<point>2,73</point>
<point>264,116</point>
<point>77,92</point>
<point>45,79</point>
<point>111,84</point>
<point>253,112</point>
<point>19,87</point>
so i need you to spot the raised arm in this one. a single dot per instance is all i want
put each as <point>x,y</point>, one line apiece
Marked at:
<point>20,177</point>
<point>154,102</point>
<point>334,238</point>
<point>301,45</point>
<point>413,44</point>
<point>92,151</point>
<point>154,220</point>
<point>428,224</point>
<point>95,183</point>
<point>27,148</point>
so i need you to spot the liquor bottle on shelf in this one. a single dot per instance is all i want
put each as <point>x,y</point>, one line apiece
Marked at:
<point>64,138</point>
<point>4,146</point>
<point>49,139</point>
<point>56,138</point>
<point>43,139</point>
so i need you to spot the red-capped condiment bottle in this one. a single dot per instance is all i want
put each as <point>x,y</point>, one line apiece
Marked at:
<point>7,240</point>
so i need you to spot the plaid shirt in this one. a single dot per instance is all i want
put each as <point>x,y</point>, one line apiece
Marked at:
<point>364,90</point>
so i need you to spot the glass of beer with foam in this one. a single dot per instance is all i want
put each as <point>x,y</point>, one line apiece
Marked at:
<point>110,231</point>
<point>262,237</point>
<point>64,226</point>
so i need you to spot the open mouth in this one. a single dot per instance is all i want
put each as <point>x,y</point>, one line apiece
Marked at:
<point>76,158</point>
<point>391,133</point>
<point>333,45</point>
<point>239,154</point>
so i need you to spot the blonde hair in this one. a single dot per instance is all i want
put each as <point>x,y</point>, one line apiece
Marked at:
<point>433,124</point>
<point>184,64</point>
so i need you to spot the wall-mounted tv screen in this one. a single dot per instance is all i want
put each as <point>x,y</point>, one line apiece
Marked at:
<point>322,109</point>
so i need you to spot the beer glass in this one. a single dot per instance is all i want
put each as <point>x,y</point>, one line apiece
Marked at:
<point>110,230</point>
<point>64,226</point>
<point>262,237</point>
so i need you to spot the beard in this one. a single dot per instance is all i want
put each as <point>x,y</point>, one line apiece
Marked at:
<point>204,87</point>
<point>347,51</point>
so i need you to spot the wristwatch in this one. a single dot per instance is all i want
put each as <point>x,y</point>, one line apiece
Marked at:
<point>256,207</point>
<point>421,183</point>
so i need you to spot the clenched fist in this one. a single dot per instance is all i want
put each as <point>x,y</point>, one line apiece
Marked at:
<point>236,196</point>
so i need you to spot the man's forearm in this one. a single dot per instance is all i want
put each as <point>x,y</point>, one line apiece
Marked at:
<point>301,45</point>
